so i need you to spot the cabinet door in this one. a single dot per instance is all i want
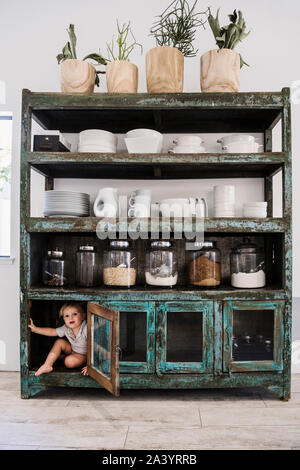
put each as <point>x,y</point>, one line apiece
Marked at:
<point>136,336</point>
<point>253,336</point>
<point>102,349</point>
<point>184,337</point>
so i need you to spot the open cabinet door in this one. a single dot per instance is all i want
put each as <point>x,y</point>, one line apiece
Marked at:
<point>103,346</point>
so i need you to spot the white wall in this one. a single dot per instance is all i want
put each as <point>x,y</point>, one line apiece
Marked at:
<point>32,33</point>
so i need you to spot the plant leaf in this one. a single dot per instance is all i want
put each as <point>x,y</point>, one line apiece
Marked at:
<point>97,58</point>
<point>73,40</point>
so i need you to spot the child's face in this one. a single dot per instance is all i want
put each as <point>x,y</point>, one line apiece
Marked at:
<point>72,317</point>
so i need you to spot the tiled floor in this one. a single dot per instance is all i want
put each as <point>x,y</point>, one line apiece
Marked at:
<point>176,419</point>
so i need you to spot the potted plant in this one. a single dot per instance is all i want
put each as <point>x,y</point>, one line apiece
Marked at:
<point>220,68</point>
<point>77,76</point>
<point>174,32</point>
<point>121,74</point>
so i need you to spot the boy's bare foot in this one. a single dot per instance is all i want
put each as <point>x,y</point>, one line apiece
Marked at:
<point>44,369</point>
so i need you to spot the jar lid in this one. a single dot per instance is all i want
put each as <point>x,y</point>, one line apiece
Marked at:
<point>119,244</point>
<point>55,253</point>
<point>87,248</point>
<point>246,247</point>
<point>199,245</point>
<point>161,244</point>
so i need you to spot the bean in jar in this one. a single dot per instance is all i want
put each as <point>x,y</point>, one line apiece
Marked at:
<point>119,265</point>
<point>204,265</point>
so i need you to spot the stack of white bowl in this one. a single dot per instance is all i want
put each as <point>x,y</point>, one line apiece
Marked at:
<point>188,144</point>
<point>239,143</point>
<point>97,140</point>
<point>144,141</point>
<point>66,203</point>
<point>224,201</point>
<point>255,209</point>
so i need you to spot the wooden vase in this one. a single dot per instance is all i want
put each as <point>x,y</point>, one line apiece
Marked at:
<point>220,71</point>
<point>77,76</point>
<point>121,77</point>
<point>164,70</point>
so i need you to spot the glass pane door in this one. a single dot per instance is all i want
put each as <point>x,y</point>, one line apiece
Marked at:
<point>185,337</point>
<point>103,349</point>
<point>253,333</point>
<point>136,336</point>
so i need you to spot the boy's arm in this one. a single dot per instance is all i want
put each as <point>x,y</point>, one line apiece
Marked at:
<point>42,331</point>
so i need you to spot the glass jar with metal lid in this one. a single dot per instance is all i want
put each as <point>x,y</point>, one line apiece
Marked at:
<point>161,264</point>
<point>119,264</point>
<point>247,265</point>
<point>55,269</point>
<point>87,266</point>
<point>204,264</point>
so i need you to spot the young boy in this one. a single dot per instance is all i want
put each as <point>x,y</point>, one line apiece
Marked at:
<point>74,346</point>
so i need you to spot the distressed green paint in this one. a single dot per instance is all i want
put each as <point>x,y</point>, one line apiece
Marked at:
<point>204,366</point>
<point>89,224</point>
<point>149,308</point>
<point>236,366</point>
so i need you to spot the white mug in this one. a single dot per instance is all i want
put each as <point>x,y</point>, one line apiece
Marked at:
<point>141,196</point>
<point>139,210</point>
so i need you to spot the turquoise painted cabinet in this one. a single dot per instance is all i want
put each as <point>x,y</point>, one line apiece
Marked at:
<point>253,335</point>
<point>184,337</point>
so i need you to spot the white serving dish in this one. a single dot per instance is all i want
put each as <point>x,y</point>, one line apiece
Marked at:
<point>229,139</point>
<point>94,136</point>
<point>241,147</point>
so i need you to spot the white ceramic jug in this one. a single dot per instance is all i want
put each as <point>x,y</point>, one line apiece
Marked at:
<point>106,203</point>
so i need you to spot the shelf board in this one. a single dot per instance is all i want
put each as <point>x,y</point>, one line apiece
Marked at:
<point>155,166</point>
<point>147,293</point>
<point>166,112</point>
<point>89,225</point>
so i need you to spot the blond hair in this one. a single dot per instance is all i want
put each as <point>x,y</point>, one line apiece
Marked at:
<point>76,305</point>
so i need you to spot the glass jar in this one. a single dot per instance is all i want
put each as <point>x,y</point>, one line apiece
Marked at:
<point>247,266</point>
<point>161,265</point>
<point>204,264</point>
<point>55,269</point>
<point>87,266</point>
<point>119,264</point>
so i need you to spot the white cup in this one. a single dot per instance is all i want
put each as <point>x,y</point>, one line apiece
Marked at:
<point>139,210</point>
<point>224,193</point>
<point>193,140</point>
<point>140,193</point>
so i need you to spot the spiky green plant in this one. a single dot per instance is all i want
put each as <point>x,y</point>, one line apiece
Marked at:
<point>177,26</point>
<point>69,52</point>
<point>227,37</point>
<point>123,48</point>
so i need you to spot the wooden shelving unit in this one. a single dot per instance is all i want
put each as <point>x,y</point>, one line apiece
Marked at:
<point>214,315</point>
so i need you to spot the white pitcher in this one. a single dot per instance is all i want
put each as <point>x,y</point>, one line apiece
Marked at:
<point>106,203</point>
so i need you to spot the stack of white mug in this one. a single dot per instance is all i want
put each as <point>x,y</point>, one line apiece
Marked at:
<point>139,203</point>
<point>224,201</point>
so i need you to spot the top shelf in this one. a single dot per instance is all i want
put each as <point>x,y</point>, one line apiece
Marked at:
<point>166,112</point>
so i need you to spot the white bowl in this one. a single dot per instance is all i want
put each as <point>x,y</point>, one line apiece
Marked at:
<point>143,133</point>
<point>91,136</point>
<point>97,148</point>
<point>229,139</point>
<point>241,147</point>
<point>144,144</point>
<point>256,204</point>
<point>184,140</point>
<point>187,149</point>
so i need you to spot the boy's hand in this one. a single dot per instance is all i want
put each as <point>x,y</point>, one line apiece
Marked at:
<point>31,326</point>
<point>84,371</point>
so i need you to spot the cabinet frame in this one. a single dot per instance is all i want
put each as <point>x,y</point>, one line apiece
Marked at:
<point>206,308</point>
<point>245,366</point>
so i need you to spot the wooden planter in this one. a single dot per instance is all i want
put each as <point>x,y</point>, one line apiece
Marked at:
<point>164,70</point>
<point>220,71</point>
<point>121,77</point>
<point>77,76</point>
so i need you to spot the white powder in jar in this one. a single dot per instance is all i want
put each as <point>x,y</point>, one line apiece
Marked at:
<point>249,280</point>
<point>161,281</point>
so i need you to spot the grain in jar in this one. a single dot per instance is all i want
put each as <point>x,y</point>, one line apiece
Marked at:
<point>204,264</point>
<point>119,264</point>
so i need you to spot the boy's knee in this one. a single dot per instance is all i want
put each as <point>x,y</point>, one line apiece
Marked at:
<point>70,362</point>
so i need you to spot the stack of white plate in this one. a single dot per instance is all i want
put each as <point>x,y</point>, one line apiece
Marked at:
<point>255,209</point>
<point>224,201</point>
<point>66,204</point>
<point>97,140</point>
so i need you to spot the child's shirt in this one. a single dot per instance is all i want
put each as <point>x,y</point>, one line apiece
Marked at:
<point>78,343</point>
